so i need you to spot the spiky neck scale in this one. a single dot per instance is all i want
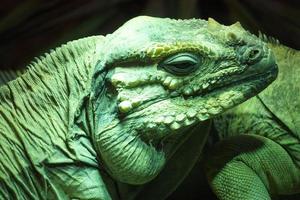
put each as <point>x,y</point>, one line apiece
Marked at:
<point>38,108</point>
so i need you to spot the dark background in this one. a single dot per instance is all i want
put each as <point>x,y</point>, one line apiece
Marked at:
<point>29,28</point>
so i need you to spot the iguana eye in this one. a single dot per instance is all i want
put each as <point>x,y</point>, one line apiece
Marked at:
<point>180,64</point>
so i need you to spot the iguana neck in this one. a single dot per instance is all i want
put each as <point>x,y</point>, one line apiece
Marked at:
<point>283,53</point>
<point>40,105</point>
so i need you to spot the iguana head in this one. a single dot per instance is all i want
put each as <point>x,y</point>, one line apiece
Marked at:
<point>161,76</point>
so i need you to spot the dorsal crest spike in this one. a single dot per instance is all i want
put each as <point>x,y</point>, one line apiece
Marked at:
<point>268,39</point>
<point>211,23</point>
<point>237,25</point>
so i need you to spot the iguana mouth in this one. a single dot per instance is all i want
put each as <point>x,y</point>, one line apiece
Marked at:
<point>220,85</point>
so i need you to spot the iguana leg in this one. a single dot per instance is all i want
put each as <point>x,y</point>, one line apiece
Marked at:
<point>251,167</point>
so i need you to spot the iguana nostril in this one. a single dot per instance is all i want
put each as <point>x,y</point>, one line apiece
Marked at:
<point>252,55</point>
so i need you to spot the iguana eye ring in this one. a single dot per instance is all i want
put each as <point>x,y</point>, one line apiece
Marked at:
<point>180,64</point>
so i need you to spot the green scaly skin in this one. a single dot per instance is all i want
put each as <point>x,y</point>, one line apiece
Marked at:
<point>101,111</point>
<point>258,156</point>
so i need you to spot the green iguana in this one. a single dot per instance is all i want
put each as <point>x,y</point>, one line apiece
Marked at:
<point>103,117</point>
<point>258,156</point>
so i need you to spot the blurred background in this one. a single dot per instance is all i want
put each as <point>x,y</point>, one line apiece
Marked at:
<point>29,28</point>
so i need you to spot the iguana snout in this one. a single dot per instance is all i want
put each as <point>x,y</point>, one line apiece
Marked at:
<point>257,58</point>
